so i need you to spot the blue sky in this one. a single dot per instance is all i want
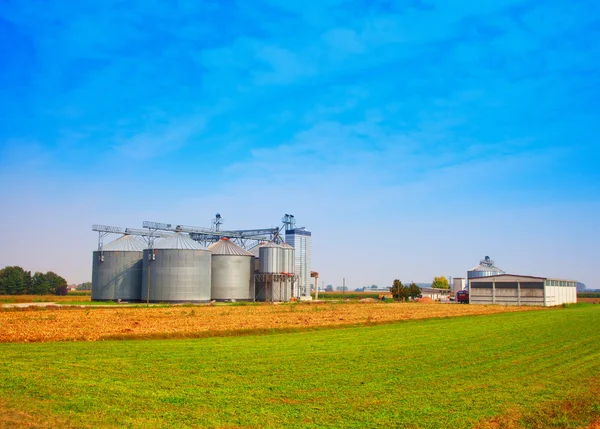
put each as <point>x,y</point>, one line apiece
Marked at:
<point>412,137</point>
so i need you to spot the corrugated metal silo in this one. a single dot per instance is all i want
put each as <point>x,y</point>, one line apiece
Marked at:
<point>270,255</point>
<point>273,286</point>
<point>255,251</point>
<point>117,270</point>
<point>288,258</point>
<point>177,269</point>
<point>485,268</point>
<point>232,272</point>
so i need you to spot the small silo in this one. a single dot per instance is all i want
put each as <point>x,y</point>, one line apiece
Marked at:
<point>288,254</point>
<point>273,285</point>
<point>485,268</point>
<point>255,251</point>
<point>289,269</point>
<point>117,270</point>
<point>270,255</point>
<point>232,272</point>
<point>177,269</point>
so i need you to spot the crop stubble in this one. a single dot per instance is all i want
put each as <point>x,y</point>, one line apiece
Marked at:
<point>77,324</point>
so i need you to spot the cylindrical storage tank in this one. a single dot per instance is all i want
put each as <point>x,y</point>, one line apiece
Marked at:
<point>485,268</point>
<point>117,270</point>
<point>270,255</point>
<point>177,269</point>
<point>458,283</point>
<point>288,258</point>
<point>255,251</point>
<point>232,272</point>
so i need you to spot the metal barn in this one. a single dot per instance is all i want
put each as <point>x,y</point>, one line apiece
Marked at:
<point>511,289</point>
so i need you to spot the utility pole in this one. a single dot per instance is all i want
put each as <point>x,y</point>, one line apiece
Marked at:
<point>343,287</point>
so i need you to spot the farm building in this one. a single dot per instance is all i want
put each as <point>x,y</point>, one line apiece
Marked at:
<point>511,289</point>
<point>436,294</point>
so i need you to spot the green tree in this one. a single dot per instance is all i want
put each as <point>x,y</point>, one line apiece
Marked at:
<point>58,285</point>
<point>414,291</point>
<point>404,293</point>
<point>85,286</point>
<point>14,281</point>
<point>440,283</point>
<point>397,290</point>
<point>40,285</point>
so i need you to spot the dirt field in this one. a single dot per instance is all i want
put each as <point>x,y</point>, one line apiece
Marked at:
<point>80,324</point>
<point>590,300</point>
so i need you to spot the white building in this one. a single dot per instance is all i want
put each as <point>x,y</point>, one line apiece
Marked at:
<point>511,289</point>
<point>458,283</point>
<point>300,239</point>
<point>436,294</point>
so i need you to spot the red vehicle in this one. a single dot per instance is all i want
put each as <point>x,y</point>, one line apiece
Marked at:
<point>462,297</point>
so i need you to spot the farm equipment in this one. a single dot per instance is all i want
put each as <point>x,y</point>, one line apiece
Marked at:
<point>462,297</point>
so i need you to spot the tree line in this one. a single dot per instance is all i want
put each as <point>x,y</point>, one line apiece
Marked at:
<point>84,286</point>
<point>402,292</point>
<point>17,281</point>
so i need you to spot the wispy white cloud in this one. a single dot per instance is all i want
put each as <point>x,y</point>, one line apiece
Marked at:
<point>160,141</point>
<point>334,110</point>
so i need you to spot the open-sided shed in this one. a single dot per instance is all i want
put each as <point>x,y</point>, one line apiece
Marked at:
<point>512,289</point>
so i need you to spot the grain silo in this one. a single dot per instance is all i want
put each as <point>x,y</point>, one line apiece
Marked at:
<point>485,268</point>
<point>287,259</point>
<point>117,270</point>
<point>272,284</point>
<point>255,251</point>
<point>288,267</point>
<point>177,269</point>
<point>232,272</point>
<point>271,256</point>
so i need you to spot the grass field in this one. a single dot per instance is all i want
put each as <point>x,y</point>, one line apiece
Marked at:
<point>69,298</point>
<point>347,295</point>
<point>588,294</point>
<point>535,369</point>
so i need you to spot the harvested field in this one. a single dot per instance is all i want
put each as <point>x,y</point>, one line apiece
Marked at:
<point>79,324</point>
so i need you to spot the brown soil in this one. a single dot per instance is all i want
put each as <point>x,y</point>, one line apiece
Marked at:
<point>83,324</point>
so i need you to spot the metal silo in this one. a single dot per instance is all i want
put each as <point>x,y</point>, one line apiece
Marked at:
<point>288,258</point>
<point>485,268</point>
<point>273,285</point>
<point>117,270</point>
<point>255,251</point>
<point>177,269</point>
<point>232,272</point>
<point>270,255</point>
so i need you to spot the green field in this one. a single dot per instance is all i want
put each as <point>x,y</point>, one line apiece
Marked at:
<point>539,368</point>
<point>588,294</point>
<point>347,295</point>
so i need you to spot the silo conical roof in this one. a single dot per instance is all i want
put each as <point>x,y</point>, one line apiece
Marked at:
<point>225,247</point>
<point>127,243</point>
<point>286,246</point>
<point>180,241</point>
<point>255,251</point>
<point>487,265</point>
